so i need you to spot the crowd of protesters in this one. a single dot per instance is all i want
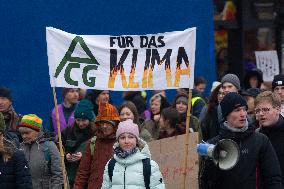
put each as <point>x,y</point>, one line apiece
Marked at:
<point>106,146</point>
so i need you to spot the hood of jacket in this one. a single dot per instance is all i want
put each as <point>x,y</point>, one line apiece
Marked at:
<point>42,137</point>
<point>138,156</point>
<point>253,73</point>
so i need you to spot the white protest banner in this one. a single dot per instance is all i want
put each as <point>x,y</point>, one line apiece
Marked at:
<point>267,62</point>
<point>121,63</point>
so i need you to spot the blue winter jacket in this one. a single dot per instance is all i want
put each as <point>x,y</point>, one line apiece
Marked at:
<point>128,172</point>
<point>15,173</point>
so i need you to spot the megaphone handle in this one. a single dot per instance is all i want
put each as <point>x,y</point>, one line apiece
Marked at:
<point>218,155</point>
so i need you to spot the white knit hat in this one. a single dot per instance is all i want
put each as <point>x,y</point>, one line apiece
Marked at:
<point>214,85</point>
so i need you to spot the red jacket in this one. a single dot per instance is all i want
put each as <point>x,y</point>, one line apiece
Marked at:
<point>91,169</point>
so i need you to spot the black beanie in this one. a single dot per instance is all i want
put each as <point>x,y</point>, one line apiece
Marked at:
<point>94,95</point>
<point>230,102</point>
<point>278,80</point>
<point>5,92</point>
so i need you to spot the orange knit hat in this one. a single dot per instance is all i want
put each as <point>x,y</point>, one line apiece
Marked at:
<point>107,113</point>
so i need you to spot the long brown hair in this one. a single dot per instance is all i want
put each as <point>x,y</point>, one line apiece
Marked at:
<point>172,115</point>
<point>131,106</point>
<point>213,99</point>
<point>7,148</point>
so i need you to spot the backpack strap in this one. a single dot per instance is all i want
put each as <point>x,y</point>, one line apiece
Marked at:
<point>110,167</point>
<point>92,145</point>
<point>147,172</point>
<point>47,154</point>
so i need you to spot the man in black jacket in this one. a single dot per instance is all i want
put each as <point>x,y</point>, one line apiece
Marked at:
<point>256,152</point>
<point>272,123</point>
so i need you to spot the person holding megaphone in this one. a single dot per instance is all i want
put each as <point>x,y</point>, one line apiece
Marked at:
<point>234,156</point>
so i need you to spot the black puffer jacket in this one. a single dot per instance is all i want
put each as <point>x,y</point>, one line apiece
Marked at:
<point>255,151</point>
<point>15,174</point>
<point>275,133</point>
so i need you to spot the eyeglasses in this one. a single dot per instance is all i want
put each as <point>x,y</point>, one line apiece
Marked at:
<point>220,94</point>
<point>263,110</point>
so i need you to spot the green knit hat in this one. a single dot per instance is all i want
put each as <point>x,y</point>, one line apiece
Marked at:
<point>31,121</point>
<point>85,110</point>
<point>2,123</point>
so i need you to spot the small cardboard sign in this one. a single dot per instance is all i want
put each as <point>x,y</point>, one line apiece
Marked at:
<point>169,153</point>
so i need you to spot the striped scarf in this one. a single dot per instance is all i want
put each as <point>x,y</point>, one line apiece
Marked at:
<point>124,154</point>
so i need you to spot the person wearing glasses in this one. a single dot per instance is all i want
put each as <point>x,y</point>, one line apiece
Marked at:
<point>268,107</point>
<point>257,164</point>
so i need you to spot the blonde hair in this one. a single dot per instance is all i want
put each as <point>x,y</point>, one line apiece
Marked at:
<point>270,97</point>
<point>25,129</point>
<point>139,144</point>
<point>7,148</point>
<point>156,97</point>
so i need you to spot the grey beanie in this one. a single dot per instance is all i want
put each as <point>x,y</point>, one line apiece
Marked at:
<point>232,78</point>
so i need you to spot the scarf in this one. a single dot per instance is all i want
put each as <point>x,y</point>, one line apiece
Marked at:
<point>236,130</point>
<point>124,154</point>
<point>11,119</point>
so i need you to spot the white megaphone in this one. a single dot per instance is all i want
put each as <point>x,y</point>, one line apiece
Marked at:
<point>225,153</point>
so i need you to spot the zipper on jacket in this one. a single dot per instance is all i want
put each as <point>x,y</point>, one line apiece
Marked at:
<point>124,177</point>
<point>30,149</point>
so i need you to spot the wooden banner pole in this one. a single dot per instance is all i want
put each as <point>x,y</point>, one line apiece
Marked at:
<point>186,141</point>
<point>60,140</point>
